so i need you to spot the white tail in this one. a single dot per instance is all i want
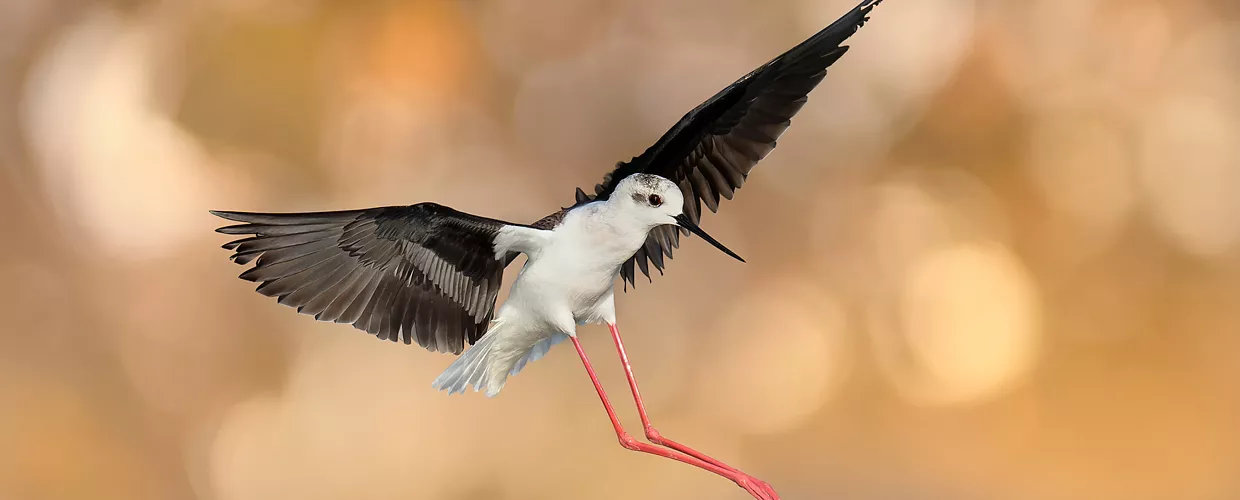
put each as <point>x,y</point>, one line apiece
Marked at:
<point>538,351</point>
<point>495,357</point>
<point>471,368</point>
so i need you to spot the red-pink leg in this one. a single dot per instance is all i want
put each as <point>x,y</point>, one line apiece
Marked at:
<point>628,442</point>
<point>654,436</point>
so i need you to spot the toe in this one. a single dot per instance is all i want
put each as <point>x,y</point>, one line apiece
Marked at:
<point>753,487</point>
<point>758,488</point>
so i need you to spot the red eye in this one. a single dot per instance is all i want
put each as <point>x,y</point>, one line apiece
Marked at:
<point>655,200</point>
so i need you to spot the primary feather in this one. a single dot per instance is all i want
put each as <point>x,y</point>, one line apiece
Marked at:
<point>711,150</point>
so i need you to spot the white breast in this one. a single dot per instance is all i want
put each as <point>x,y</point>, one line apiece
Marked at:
<point>578,264</point>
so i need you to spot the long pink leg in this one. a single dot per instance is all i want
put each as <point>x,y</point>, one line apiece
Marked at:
<point>628,442</point>
<point>654,436</point>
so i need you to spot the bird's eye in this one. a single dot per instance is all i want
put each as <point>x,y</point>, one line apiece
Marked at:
<point>655,200</point>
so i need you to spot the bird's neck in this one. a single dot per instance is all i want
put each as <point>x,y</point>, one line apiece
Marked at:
<point>624,232</point>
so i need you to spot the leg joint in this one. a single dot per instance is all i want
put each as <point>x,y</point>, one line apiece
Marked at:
<point>629,443</point>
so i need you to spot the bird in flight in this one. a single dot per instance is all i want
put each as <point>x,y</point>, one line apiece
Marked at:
<point>429,274</point>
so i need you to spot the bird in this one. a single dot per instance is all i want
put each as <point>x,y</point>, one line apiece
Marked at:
<point>430,274</point>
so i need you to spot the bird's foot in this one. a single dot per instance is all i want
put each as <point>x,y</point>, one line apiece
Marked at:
<point>760,489</point>
<point>757,487</point>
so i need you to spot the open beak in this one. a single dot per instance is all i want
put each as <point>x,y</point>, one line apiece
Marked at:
<point>682,220</point>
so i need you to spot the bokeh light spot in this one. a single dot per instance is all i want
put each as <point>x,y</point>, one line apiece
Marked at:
<point>971,318</point>
<point>779,358</point>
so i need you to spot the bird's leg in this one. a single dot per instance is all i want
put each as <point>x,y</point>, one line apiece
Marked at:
<point>653,435</point>
<point>758,489</point>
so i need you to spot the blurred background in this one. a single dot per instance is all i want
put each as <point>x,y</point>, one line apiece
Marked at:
<point>997,255</point>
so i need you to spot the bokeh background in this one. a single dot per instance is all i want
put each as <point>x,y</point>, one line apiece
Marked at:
<point>997,255</point>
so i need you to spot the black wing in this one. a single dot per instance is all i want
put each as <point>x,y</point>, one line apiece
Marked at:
<point>424,273</point>
<point>711,150</point>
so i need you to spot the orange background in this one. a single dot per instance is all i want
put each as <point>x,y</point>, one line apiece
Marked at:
<point>997,255</point>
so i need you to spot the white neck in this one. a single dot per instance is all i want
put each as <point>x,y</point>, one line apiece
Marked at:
<point>609,228</point>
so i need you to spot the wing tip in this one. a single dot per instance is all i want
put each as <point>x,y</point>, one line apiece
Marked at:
<point>246,219</point>
<point>230,215</point>
<point>865,8</point>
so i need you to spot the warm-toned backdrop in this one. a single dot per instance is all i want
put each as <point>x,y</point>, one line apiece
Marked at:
<point>996,257</point>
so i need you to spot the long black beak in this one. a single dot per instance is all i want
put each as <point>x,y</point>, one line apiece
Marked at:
<point>682,220</point>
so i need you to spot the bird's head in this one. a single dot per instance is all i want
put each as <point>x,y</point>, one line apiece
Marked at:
<point>650,198</point>
<point>657,201</point>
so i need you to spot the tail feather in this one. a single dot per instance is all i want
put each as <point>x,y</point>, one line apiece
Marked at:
<point>495,357</point>
<point>540,349</point>
<point>476,372</point>
<point>471,369</point>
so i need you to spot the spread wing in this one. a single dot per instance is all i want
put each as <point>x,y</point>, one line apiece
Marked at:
<point>711,150</point>
<point>424,273</point>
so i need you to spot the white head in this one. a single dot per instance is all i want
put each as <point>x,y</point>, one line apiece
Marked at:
<point>656,201</point>
<point>651,199</point>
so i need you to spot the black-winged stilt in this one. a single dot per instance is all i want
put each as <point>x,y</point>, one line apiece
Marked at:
<point>429,274</point>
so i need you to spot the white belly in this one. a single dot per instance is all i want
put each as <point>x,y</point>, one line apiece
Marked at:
<point>549,286</point>
<point>568,280</point>
<point>574,274</point>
